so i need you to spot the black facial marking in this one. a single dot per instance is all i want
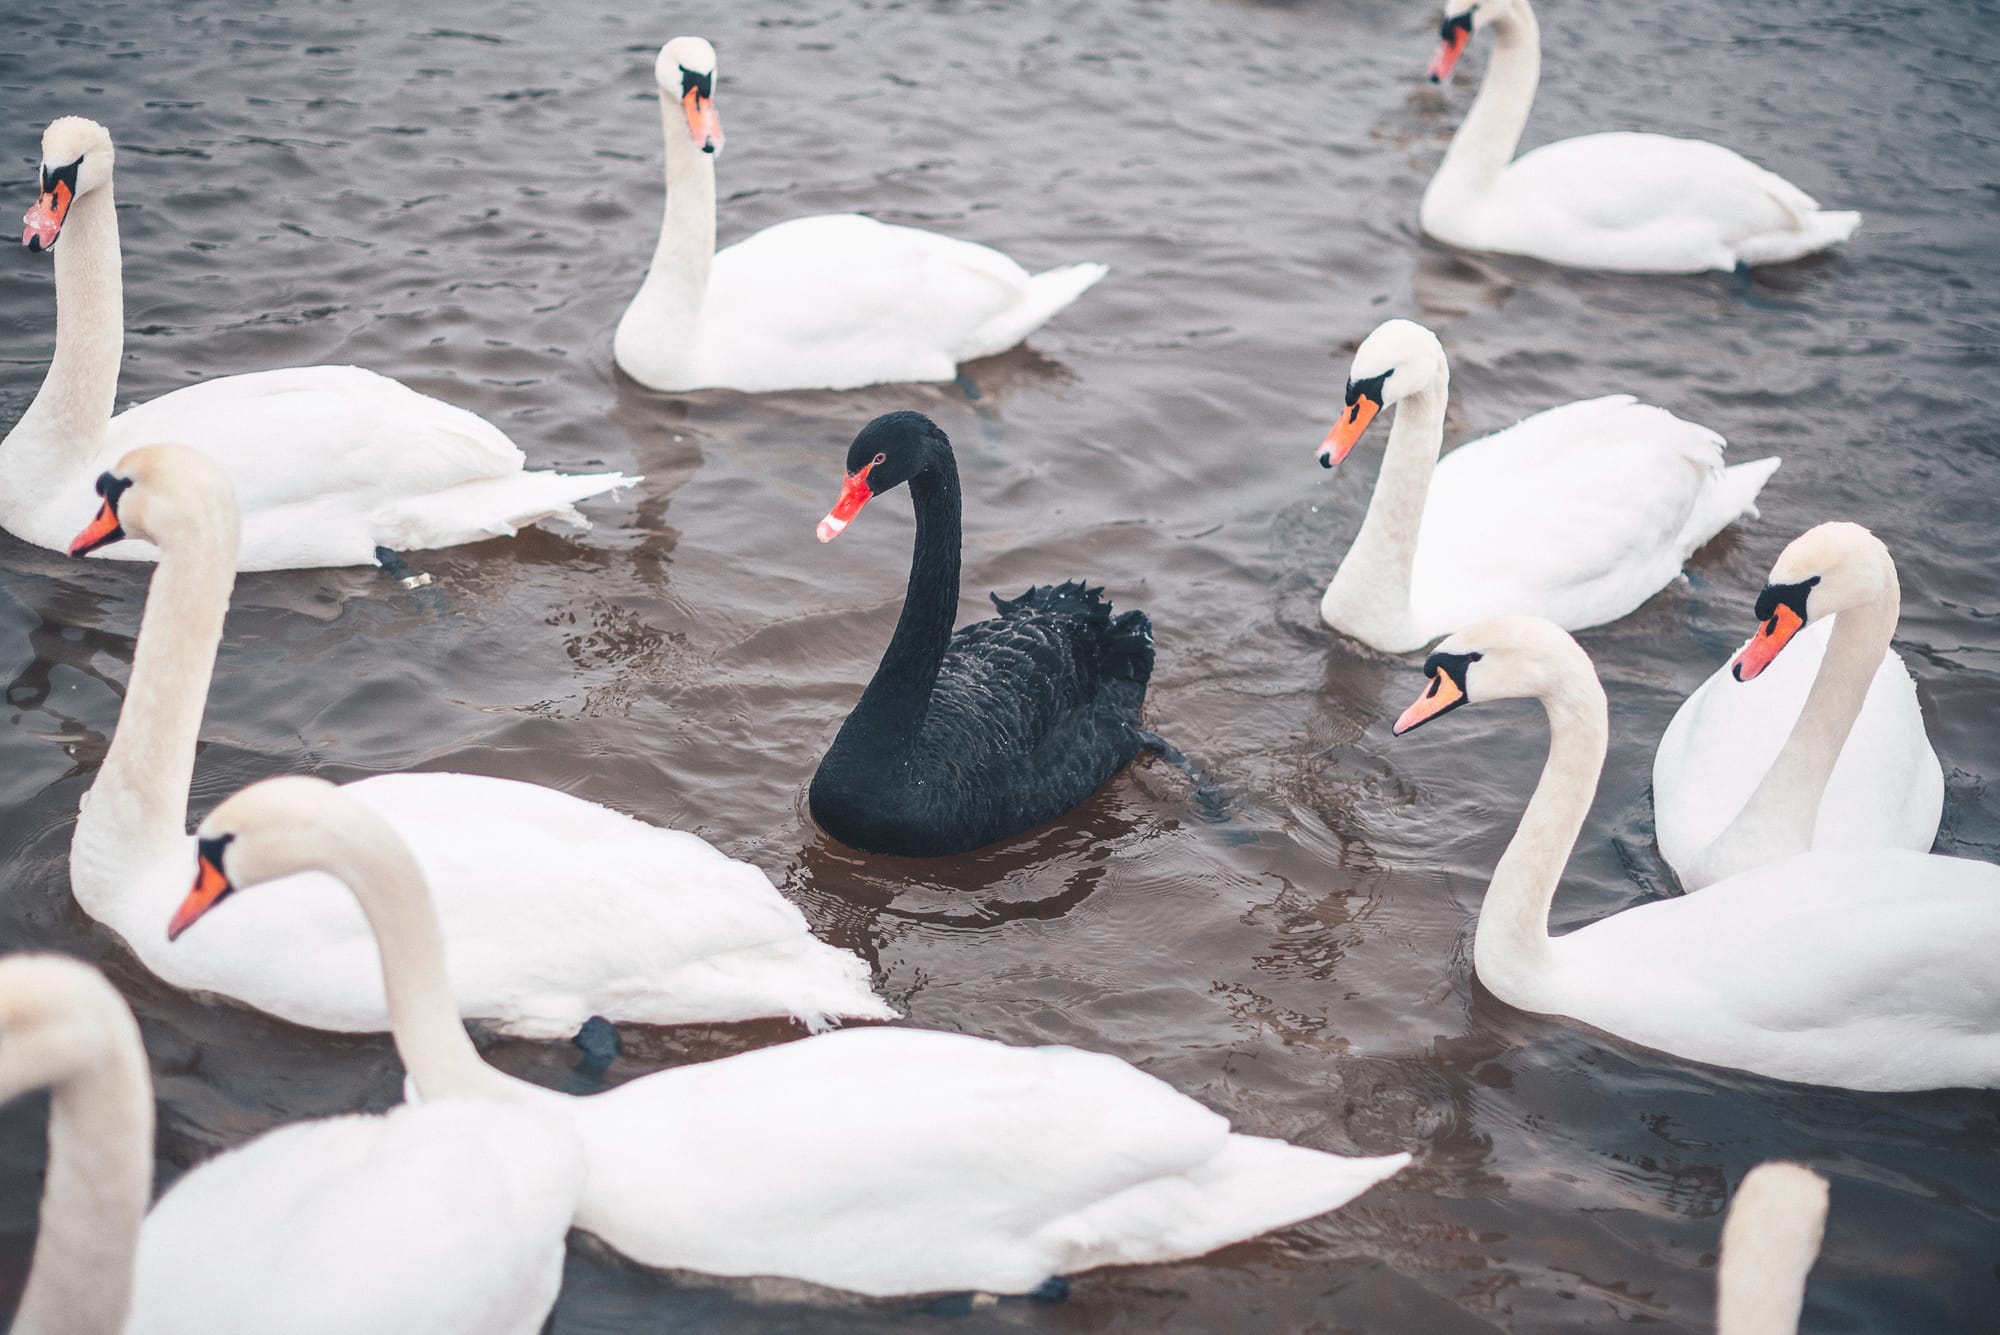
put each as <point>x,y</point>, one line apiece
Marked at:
<point>210,850</point>
<point>1371,388</point>
<point>1775,596</point>
<point>702,85</point>
<point>67,175</point>
<point>1453,666</point>
<point>111,486</point>
<point>1457,23</point>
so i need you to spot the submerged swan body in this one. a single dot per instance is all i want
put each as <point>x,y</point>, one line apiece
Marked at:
<point>329,462</point>
<point>557,909</point>
<point>881,1160</point>
<point>1639,203</point>
<point>835,301</point>
<point>1578,514</point>
<point>1822,746</point>
<point>1862,968</point>
<point>442,1219</point>
<point>963,738</point>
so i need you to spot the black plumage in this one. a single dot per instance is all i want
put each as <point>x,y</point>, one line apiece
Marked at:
<point>963,739</point>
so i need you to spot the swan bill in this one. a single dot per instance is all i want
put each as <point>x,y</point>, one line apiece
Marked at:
<point>1445,693</point>
<point>42,224</point>
<point>854,493</point>
<point>106,528</point>
<point>698,102</point>
<point>1781,608</point>
<point>1454,35</point>
<point>1361,410</point>
<point>211,885</point>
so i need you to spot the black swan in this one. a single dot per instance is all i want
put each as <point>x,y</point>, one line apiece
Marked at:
<point>962,739</point>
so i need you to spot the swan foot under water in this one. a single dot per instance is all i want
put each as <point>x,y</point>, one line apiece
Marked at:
<point>597,1040</point>
<point>1213,802</point>
<point>1054,1289</point>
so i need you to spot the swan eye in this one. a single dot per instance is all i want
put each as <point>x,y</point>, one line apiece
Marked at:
<point>880,459</point>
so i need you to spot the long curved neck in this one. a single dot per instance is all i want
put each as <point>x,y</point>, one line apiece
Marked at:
<point>1376,570</point>
<point>1491,131</point>
<point>138,804</point>
<point>100,1177</point>
<point>677,282</point>
<point>900,693</point>
<point>63,428</point>
<point>378,868</point>
<point>1779,818</point>
<point>1511,950</point>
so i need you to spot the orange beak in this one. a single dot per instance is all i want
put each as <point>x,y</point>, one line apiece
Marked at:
<point>704,126</point>
<point>43,222</point>
<point>1771,636</point>
<point>1455,35</point>
<point>210,885</point>
<point>854,494</point>
<point>1441,695</point>
<point>100,532</point>
<point>1347,430</point>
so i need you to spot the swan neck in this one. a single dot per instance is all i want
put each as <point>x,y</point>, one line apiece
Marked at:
<point>64,425</point>
<point>1378,566</point>
<point>378,867</point>
<point>899,695</point>
<point>1512,951</point>
<point>1491,131</point>
<point>1782,812</point>
<point>100,1177</point>
<point>677,281</point>
<point>138,805</point>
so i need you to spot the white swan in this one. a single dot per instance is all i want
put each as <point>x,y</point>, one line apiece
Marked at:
<point>1769,1243</point>
<point>1579,513</point>
<point>1863,968</point>
<point>880,1160</point>
<point>558,909</point>
<point>1820,747</point>
<point>442,1219</point>
<point>834,301</point>
<point>329,462</point>
<point>1639,203</point>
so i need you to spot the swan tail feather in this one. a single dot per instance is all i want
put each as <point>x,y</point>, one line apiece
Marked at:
<point>1819,229</point>
<point>1047,293</point>
<point>1733,497</point>
<point>1251,1187</point>
<point>490,507</point>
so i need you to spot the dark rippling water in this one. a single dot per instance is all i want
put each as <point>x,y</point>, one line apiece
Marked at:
<point>464,193</point>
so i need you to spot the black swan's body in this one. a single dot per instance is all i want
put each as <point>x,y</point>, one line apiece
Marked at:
<point>965,738</point>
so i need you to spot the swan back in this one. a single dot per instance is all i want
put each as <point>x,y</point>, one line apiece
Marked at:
<point>1769,1243</point>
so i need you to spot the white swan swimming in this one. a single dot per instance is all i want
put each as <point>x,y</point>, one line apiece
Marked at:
<point>445,1218</point>
<point>880,1160</point>
<point>329,462</point>
<point>1777,1219</point>
<point>1822,746</point>
<point>558,909</point>
<point>1579,513</point>
<point>1640,203</point>
<point>1862,968</point>
<point>834,301</point>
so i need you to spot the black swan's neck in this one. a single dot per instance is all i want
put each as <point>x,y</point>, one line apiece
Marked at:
<point>896,700</point>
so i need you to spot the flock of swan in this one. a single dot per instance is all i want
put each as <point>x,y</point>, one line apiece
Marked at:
<point>1797,795</point>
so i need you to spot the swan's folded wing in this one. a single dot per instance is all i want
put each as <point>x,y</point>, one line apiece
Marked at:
<point>1622,181</point>
<point>444,1217</point>
<point>322,436</point>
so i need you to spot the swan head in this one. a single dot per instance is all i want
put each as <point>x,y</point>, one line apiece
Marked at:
<point>1770,1239</point>
<point>58,1016</point>
<point>1461,19</point>
<point>1400,358</point>
<point>160,494</point>
<point>268,831</point>
<point>76,159</point>
<point>888,452</point>
<point>685,71</point>
<point>1824,570</point>
<point>1505,658</point>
